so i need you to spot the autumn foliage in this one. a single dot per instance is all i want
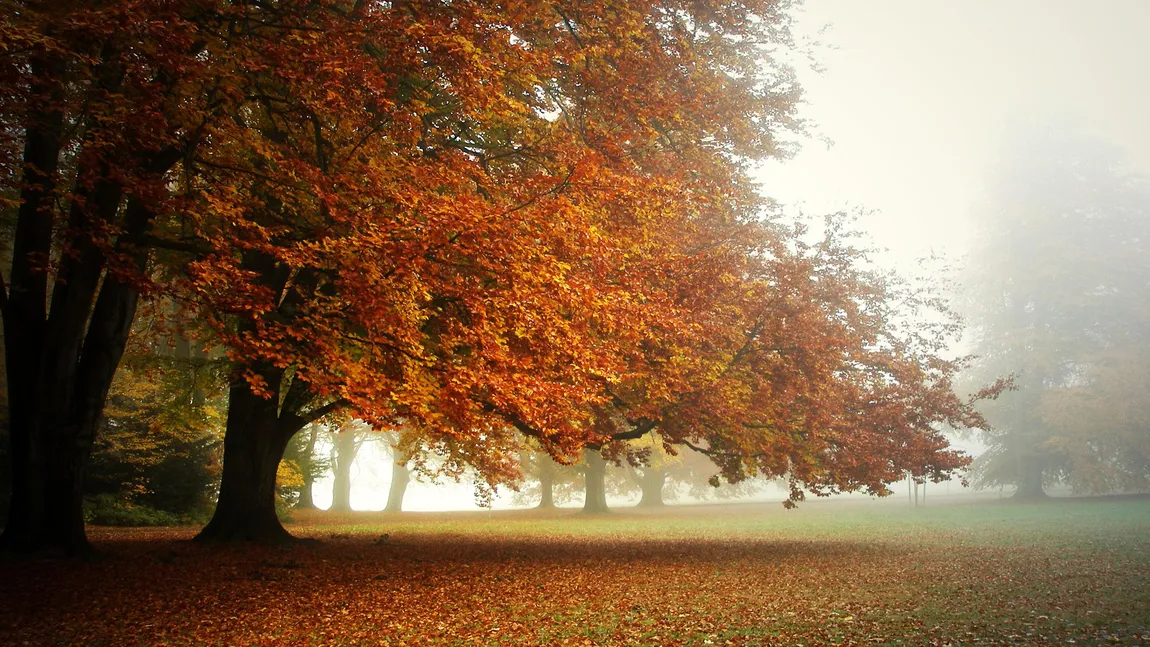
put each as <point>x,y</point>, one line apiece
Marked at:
<point>461,219</point>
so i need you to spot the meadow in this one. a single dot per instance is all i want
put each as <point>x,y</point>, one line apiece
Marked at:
<point>829,573</point>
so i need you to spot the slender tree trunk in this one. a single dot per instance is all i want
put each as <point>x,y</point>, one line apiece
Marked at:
<point>594,482</point>
<point>254,444</point>
<point>651,481</point>
<point>400,478</point>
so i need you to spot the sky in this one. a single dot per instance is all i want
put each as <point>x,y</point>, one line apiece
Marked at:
<point>918,97</point>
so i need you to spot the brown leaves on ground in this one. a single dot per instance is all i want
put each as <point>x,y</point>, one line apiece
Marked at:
<point>821,576</point>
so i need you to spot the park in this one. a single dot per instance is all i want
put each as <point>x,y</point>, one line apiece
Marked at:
<point>587,322</point>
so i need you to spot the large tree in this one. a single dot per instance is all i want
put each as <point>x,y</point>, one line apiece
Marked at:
<point>412,210</point>
<point>459,217</point>
<point>467,231</point>
<point>1057,290</point>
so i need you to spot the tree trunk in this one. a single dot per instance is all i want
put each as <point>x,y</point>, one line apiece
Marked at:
<point>1029,478</point>
<point>400,477</point>
<point>254,444</point>
<point>594,482</point>
<point>345,447</point>
<point>57,428</point>
<point>651,481</point>
<point>25,312</point>
<point>306,493</point>
<point>546,483</point>
<point>61,357</point>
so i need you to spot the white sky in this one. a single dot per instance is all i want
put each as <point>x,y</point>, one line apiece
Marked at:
<point>916,97</point>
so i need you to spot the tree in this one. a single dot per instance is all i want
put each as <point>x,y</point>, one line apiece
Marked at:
<point>486,202</point>
<point>302,451</point>
<point>346,443</point>
<point>400,474</point>
<point>658,476</point>
<point>545,482</point>
<point>99,108</point>
<point>1058,292</point>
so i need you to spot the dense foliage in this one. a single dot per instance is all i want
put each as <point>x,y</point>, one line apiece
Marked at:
<point>466,220</point>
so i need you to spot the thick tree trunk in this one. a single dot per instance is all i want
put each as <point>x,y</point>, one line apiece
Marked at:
<point>546,483</point>
<point>1030,478</point>
<point>57,442</point>
<point>58,427</point>
<point>254,444</point>
<point>306,498</point>
<point>594,482</point>
<point>400,478</point>
<point>346,447</point>
<point>25,311</point>
<point>61,358</point>
<point>652,481</point>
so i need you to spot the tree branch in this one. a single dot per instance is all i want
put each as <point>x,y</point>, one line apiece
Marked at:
<point>319,412</point>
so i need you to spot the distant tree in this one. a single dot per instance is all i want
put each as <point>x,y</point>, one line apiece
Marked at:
<point>348,438</point>
<point>400,474</point>
<point>1058,290</point>
<point>606,469</point>
<point>159,445</point>
<point>302,452</point>
<point>544,482</point>
<point>658,476</point>
<point>1100,427</point>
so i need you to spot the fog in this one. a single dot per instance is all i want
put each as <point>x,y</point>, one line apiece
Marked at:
<point>919,97</point>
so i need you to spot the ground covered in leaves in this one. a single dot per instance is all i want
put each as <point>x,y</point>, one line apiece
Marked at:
<point>830,573</point>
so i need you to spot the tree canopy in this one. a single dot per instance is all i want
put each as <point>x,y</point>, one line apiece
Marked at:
<point>463,219</point>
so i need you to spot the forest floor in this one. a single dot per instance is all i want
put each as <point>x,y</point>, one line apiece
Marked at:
<point>829,573</point>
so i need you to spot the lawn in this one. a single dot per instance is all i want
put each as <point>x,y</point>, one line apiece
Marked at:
<point>829,573</point>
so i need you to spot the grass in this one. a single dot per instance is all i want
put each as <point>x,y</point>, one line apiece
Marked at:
<point>829,573</point>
